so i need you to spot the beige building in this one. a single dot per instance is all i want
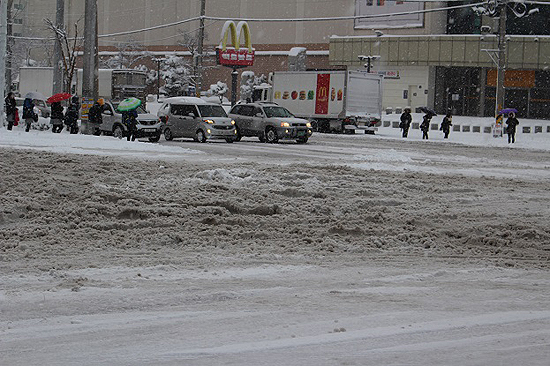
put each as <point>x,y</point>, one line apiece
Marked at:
<point>422,64</point>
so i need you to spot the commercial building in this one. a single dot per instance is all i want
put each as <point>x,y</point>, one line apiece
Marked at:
<point>434,58</point>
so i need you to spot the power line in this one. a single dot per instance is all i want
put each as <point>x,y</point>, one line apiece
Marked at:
<point>351,17</point>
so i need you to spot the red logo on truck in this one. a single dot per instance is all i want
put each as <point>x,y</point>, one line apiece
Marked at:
<point>321,100</point>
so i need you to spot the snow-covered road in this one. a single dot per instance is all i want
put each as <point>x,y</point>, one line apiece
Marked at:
<point>349,250</point>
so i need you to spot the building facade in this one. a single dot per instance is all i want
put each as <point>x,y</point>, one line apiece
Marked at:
<point>428,56</point>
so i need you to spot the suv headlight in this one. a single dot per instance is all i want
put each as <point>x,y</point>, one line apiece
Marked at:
<point>232,122</point>
<point>308,125</point>
<point>285,124</point>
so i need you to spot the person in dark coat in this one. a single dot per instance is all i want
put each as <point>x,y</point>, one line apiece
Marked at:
<point>10,109</point>
<point>425,125</point>
<point>406,120</point>
<point>28,113</point>
<point>94,116</point>
<point>511,124</point>
<point>71,116</point>
<point>56,118</point>
<point>446,125</point>
<point>129,119</point>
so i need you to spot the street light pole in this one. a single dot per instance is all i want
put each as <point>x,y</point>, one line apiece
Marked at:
<point>369,60</point>
<point>200,48</point>
<point>58,84</point>
<point>158,60</point>
<point>501,67</point>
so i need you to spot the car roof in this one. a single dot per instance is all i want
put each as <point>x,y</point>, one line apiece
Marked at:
<point>186,100</point>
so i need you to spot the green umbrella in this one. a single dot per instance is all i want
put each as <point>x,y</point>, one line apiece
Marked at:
<point>128,104</point>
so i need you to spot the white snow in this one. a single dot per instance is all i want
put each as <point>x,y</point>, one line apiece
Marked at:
<point>347,250</point>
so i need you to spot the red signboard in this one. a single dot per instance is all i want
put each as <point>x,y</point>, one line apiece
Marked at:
<point>232,57</point>
<point>321,100</point>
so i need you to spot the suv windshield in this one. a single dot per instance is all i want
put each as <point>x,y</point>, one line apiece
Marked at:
<point>212,111</point>
<point>277,112</point>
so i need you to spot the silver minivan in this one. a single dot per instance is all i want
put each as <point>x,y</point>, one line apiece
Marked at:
<point>195,118</point>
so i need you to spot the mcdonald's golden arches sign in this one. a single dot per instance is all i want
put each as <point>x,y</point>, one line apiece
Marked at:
<point>233,54</point>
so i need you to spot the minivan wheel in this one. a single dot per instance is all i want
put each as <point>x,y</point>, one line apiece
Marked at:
<point>118,133</point>
<point>168,135</point>
<point>271,135</point>
<point>201,136</point>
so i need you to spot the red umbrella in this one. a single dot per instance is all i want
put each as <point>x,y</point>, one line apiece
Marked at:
<point>58,97</point>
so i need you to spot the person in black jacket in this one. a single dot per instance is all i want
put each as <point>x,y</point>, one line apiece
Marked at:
<point>56,119</point>
<point>28,113</point>
<point>406,120</point>
<point>425,125</point>
<point>511,124</point>
<point>94,116</point>
<point>11,109</point>
<point>129,119</point>
<point>71,116</point>
<point>446,125</point>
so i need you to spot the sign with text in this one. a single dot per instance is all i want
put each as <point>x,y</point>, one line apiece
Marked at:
<point>382,7</point>
<point>231,56</point>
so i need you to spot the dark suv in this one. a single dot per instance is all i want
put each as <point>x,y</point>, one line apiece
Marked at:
<point>269,122</point>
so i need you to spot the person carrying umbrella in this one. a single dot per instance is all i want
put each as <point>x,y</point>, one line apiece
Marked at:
<point>28,113</point>
<point>425,125</point>
<point>511,124</point>
<point>11,109</point>
<point>129,116</point>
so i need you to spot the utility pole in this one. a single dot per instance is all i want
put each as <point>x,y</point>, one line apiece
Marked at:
<point>3,37</point>
<point>501,66</point>
<point>58,84</point>
<point>89,72</point>
<point>9,43</point>
<point>200,48</point>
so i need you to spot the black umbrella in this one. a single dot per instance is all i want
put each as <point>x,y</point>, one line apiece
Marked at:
<point>428,111</point>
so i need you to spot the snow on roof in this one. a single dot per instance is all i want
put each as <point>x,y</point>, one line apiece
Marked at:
<point>192,100</point>
<point>295,51</point>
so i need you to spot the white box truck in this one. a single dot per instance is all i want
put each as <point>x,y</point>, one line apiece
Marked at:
<point>333,101</point>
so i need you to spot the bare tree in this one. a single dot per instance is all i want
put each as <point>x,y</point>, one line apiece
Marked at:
<point>190,41</point>
<point>68,51</point>
<point>128,55</point>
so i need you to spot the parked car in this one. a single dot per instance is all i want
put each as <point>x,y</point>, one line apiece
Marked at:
<point>43,109</point>
<point>269,122</point>
<point>195,118</point>
<point>148,124</point>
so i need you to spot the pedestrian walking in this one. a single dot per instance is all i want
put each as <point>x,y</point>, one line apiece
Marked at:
<point>94,116</point>
<point>446,125</point>
<point>406,120</point>
<point>425,125</point>
<point>72,114</point>
<point>11,109</point>
<point>28,113</point>
<point>511,124</point>
<point>129,119</point>
<point>56,118</point>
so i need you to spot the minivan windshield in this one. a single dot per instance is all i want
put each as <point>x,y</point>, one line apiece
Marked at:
<point>277,112</point>
<point>211,111</point>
